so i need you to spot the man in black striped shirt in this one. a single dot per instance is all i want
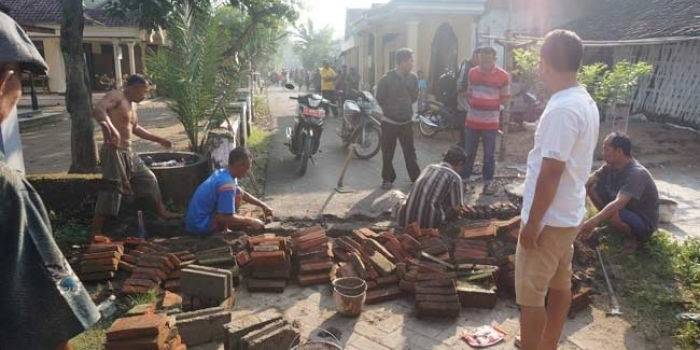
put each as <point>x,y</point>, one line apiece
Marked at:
<point>437,194</point>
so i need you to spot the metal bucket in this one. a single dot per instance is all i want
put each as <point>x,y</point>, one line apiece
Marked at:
<point>349,294</point>
<point>667,208</point>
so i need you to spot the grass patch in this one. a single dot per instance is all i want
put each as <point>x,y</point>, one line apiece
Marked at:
<point>657,282</point>
<point>94,337</point>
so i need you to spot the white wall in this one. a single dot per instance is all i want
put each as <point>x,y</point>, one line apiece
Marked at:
<point>57,69</point>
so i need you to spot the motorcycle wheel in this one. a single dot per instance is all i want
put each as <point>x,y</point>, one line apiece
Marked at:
<point>305,155</point>
<point>367,148</point>
<point>426,130</point>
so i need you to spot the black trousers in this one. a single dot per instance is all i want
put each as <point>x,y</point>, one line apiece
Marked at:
<point>404,134</point>
<point>330,96</point>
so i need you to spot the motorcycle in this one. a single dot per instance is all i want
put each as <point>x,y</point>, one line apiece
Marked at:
<point>361,124</point>
<point>304,138</point>
<point>436,117</point>
<point>525,107</point>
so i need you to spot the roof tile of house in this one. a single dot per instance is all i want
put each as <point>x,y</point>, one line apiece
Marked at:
<point>51,12</point>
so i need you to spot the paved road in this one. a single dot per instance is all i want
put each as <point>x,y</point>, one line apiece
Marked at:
<point>305,197</point>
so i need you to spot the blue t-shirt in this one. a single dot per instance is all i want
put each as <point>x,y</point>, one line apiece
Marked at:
<point>216,195</point>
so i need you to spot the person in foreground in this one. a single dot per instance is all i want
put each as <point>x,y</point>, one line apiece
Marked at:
<point>437,194</point>
<point>214,204</point>
<point>123,171</point>
<point>624,193</point>
<point>555,194</point>
<point>43,304</point>
<point>397,90</point>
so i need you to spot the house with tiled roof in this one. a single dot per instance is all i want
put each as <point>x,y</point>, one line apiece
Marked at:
<point>114,47</point>
<point>664,33</point>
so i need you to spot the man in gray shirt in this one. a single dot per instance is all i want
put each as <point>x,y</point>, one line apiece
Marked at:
<point>624,193</point>
<point>397,90</point>
<point>42,302</point>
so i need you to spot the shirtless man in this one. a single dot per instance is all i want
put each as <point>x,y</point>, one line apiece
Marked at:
<point>122,170</point>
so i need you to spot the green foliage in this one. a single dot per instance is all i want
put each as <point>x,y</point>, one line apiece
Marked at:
<point>70,234</point>
<point>657,282</point>
<point>526,63</point>
<point>618,84</point>
<point>590,76</point>
<point>188,72</point>
<point>152,14</point>
<point>313,46</point>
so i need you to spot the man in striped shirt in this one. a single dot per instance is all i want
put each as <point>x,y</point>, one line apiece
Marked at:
<point>489,89</point>
<point>437,194</point>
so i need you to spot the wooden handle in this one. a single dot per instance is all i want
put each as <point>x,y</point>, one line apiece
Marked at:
<point>345,165</point>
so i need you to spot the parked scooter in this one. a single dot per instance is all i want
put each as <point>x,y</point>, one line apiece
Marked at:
<point>361,124</point>
<point>525,107</point>
<point>436,117</point>
<point>304,138</point>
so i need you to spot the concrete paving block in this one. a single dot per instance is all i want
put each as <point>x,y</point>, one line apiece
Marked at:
<point>239,327</point>
<point>202,326</point>
<point>208,284</point>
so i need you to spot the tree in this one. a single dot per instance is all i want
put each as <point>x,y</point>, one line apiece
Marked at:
<point>313,46</point>
<point>78,95</point>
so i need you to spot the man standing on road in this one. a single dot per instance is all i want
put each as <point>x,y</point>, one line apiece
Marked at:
<point>625,194</point>
<point>214,204</point>
<point>123,171</point>
<point>397,90</point>
<point>555,194</point>
<point>43,304</point>
<point>328,76</point>
<point>489,89</point>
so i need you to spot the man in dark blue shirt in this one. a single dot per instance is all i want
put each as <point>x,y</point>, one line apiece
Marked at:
<point>214,204</point>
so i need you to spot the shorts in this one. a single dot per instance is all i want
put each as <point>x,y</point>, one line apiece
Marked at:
<point>142,180</point>
<point>639,226</point>
<point>547,266</point>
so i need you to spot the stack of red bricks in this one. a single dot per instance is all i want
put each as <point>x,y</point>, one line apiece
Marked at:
<point>363,256</point>
<point>154,265</point>
<point>437,297</point>
<point>472,245</point>
<point>430,241</point>
<point>145,332</point>
<point>268,263</point>
<point>100,260</point>
<point>313,256</point>
<point>418,270</point>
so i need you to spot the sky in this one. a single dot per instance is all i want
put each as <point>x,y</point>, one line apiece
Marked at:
<point>332,12</point>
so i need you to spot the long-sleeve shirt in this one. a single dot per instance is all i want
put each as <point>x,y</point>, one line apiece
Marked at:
<point>396,94</point>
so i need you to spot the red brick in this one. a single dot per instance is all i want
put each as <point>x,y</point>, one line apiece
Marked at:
<point>430,232</point>
<point>267,239</point>
<point>350,244</point>
<point>315,266</point>
<point>138,326</point>
<point>104,247</point>
<point>486,231</point>
<point>407,286</point>
<point>438,283</point>
<point>311,279</point>
<point>125,266</point>
<point>308,233</point>
<point>130,259</point>
<point>141,282</point>
<point>322,251</point>
<point>346,270</point>
<point>409,244</point>
<point>312,244</point>
<point>172,285</point>
<point>382,294</point>
<point>388,280</point>
<point>132,289</point>
<point>243,258</point>
<point>268,258</point>
<point>381,264</point>
<point>413,230</point>
<point>341,254</point>
<point>377,247</point>
<point>101,239</point>
<point>157,262</point>
<point>437,309</point>
<point>372,284</point>
<point>580,301</point>
<point>171,300</point>
<point>435,290</point>
<point>101,255</point>
<point>152,271</point>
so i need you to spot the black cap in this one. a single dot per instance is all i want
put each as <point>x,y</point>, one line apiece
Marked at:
<point>15,46</point>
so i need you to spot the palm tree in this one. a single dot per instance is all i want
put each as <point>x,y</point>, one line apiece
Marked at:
<point>313,46</point>
<point>188,72</point>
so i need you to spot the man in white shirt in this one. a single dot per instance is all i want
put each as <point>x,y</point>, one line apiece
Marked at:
<point>555,194</point>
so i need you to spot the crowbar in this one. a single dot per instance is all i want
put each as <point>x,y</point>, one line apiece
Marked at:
<point>615,305</point>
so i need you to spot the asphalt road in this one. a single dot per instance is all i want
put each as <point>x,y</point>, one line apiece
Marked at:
<point>313,194</point>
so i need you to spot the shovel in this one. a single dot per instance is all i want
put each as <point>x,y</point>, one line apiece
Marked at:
<point>615,305</point>
<point>339,186</point>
